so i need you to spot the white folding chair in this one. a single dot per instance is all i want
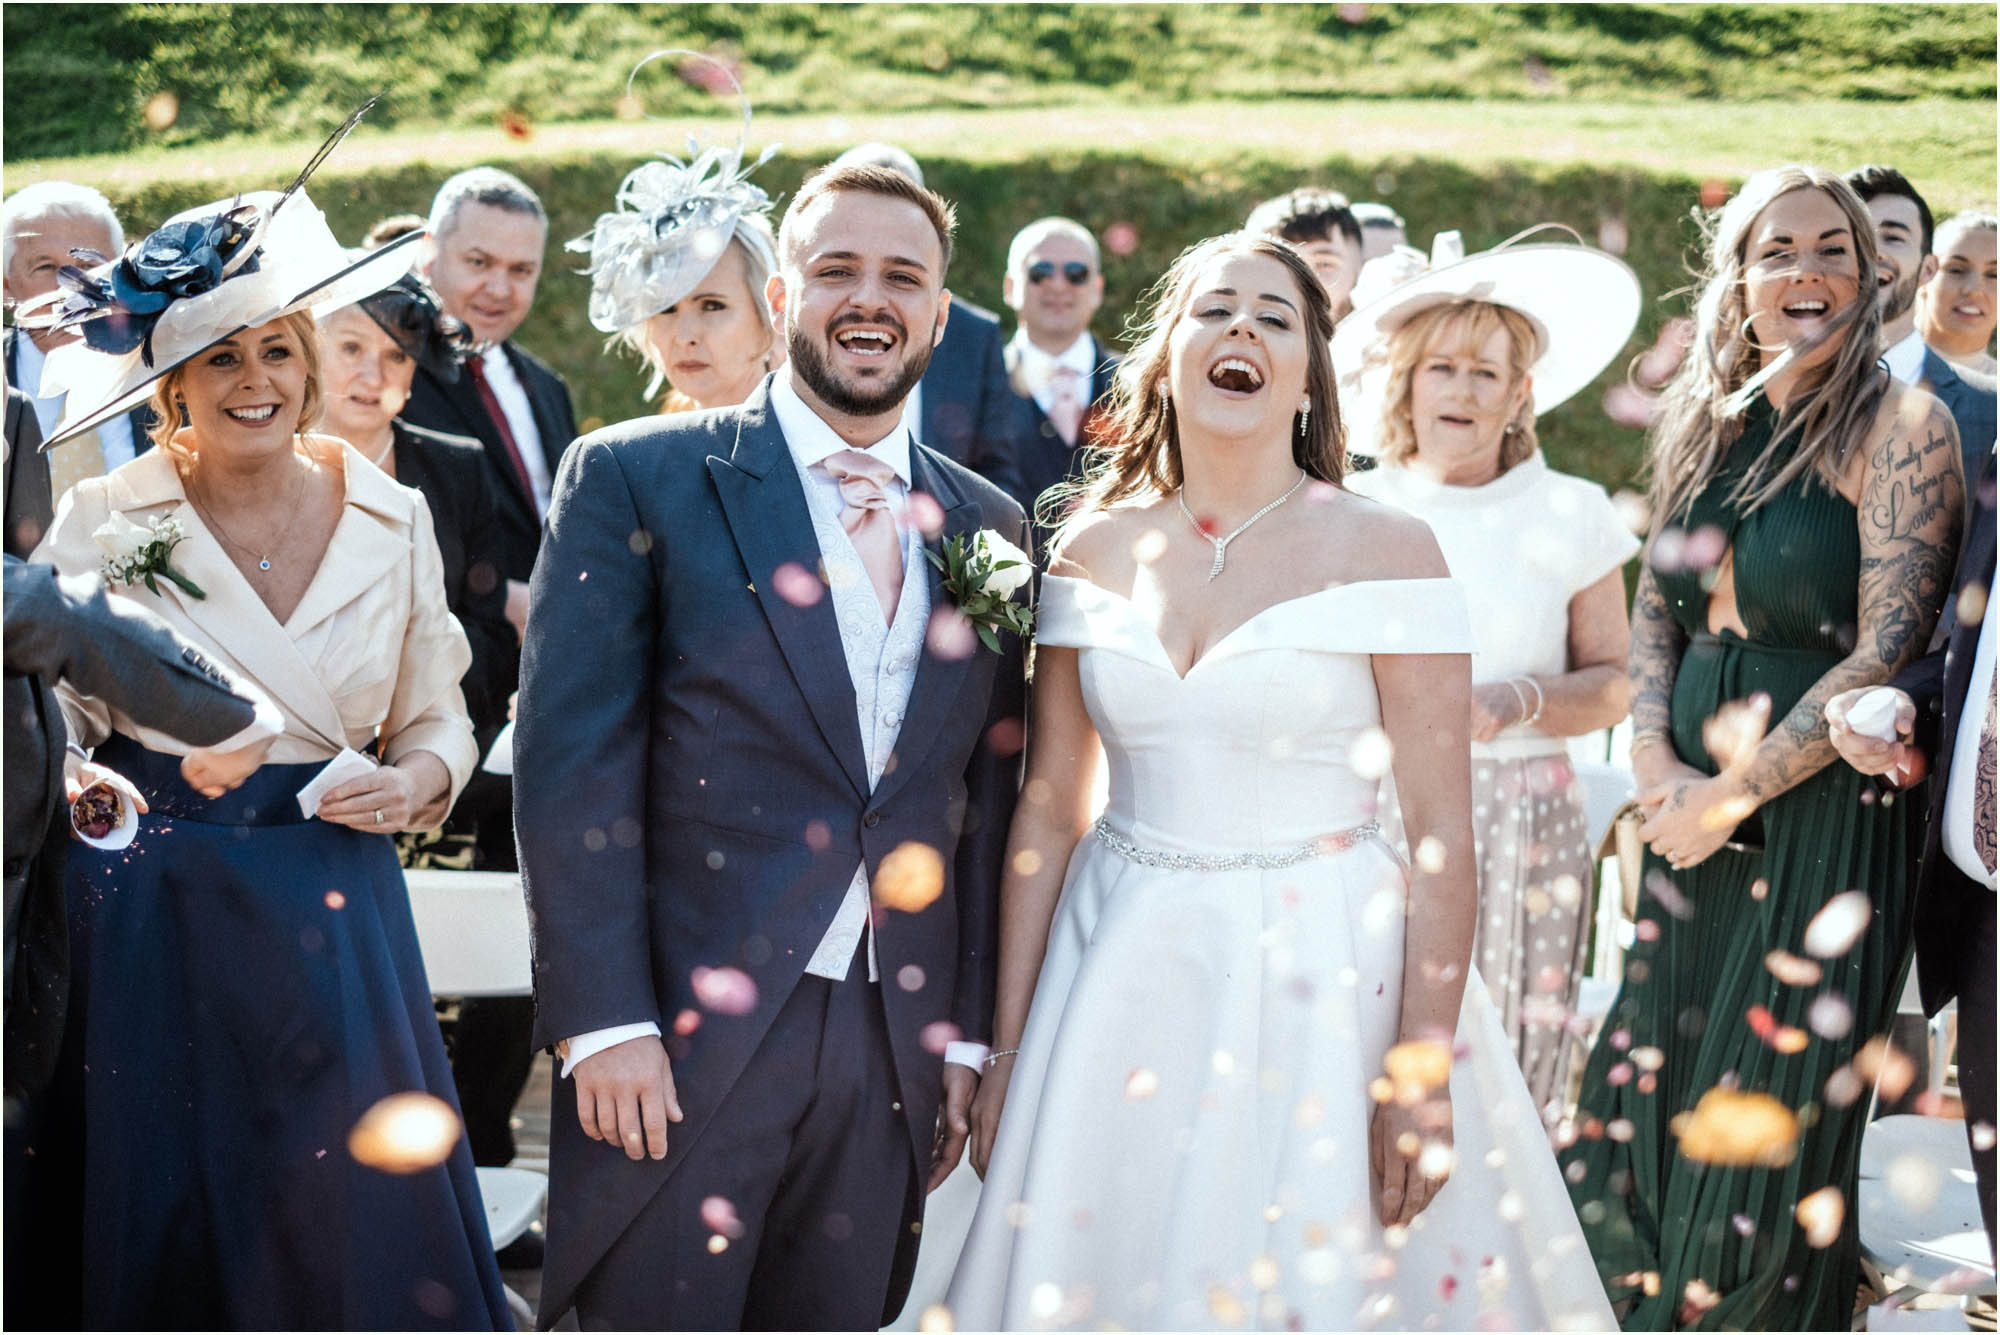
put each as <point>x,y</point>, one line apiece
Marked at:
<point>1918,1210</point>
<point>473,929</point>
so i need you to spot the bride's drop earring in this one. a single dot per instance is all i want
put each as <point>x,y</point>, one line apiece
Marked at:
<point>1305,415</point>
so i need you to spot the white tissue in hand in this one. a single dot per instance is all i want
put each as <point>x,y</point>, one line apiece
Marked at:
<point>500,756</point>
<point>1874,714</point>
<point>349,764</point>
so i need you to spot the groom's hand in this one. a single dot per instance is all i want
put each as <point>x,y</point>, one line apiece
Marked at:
<point>954,1121</point>
<point>625,1096</point>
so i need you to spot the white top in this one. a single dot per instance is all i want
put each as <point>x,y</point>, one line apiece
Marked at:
<point>1906,359</point>
<point>114,435</point>
<point>513,397</point>
<point>1523,545</point>
<point>1961,784</point>
<point>1038,368</point>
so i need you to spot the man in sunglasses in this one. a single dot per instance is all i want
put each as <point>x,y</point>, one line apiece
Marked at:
<point>1057,367</point>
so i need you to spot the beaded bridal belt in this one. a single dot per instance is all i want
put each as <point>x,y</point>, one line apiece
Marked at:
<point>1324,846</point>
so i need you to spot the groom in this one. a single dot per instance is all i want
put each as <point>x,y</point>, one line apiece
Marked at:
<point>763,775</point>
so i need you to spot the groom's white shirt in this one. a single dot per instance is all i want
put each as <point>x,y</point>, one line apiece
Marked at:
<point>882,661</point>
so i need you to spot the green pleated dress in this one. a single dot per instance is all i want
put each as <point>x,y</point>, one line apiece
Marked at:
<point>1724,1243</point>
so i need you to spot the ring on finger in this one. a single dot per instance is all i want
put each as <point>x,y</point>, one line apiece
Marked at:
<point>378,815</point>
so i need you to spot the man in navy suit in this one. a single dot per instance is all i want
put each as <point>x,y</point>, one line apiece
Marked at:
<point>962,408</point>
<point>766,774</point>
<point>1945,728</point>
<point>488,236</point>
<point>1061,375</point>
<point>1903,236</point>
<point>40,227</point>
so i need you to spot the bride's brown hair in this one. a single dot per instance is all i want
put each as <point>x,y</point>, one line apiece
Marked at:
<point>1137,452</point>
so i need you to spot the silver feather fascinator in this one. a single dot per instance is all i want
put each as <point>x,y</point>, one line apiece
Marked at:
<point>671,221</point>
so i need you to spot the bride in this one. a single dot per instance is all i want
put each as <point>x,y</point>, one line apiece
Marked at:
<point>1226,1010</point>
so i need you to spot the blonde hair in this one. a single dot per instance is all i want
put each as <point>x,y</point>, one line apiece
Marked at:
<point>752,240</point>
<point>1468,324</point>
<point>1701,411</point>
<point>1139,452</point>
<point>166,400</point>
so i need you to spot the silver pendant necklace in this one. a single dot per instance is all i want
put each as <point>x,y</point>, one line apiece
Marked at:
<point>1222,544</point>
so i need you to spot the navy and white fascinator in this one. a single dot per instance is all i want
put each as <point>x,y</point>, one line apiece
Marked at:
<point>671,222</point>
<point>207,274</point>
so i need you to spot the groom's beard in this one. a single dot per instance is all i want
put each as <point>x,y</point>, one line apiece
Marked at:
<point>841,394</point>
<point>1898,297</point>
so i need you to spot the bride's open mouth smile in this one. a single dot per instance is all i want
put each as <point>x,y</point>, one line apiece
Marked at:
<point>1236,377</point>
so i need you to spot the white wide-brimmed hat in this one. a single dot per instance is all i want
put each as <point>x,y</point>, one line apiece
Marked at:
<point>296,265</point>
<point>206,274</point>
<point>1583,303</point>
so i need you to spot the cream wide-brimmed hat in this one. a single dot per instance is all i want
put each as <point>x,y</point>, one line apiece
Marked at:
<point>206,274</point>
<point>295,265</point>
<point>1583,303</point>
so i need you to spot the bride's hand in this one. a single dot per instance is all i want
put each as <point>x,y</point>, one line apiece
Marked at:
<point>1397,1137</point>
<point>986,1112</point>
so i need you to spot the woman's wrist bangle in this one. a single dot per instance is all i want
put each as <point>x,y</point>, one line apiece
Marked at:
<point>1520,699</point>
<point>994,1057</point>
<point>1540,700</point>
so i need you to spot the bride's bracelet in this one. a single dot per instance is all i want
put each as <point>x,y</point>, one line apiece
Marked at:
<point>993,1057</point>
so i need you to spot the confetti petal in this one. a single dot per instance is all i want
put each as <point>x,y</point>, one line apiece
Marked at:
<point>726,991</point>
<point>1792,970</point>
<point>1821,1215</point>
<point>404,1133</point>
<point>1838,925</point>
<point>1739,1130</point>
<point>910,878</point>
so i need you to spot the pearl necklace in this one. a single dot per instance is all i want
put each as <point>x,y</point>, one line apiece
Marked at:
<point>1222,544</point>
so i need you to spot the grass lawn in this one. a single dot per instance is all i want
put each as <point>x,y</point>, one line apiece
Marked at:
<point>1946,146</point>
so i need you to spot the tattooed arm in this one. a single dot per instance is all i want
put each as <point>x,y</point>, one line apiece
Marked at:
<point>1910,511</point>
<point>1657,644</point>
<point>1909,508</point>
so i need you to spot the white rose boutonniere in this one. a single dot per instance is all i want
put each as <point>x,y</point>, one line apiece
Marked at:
<point>140,553</point>
<point>982,576</point>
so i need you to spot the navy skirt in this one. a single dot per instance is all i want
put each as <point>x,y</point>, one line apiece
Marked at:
<point>247,985</point>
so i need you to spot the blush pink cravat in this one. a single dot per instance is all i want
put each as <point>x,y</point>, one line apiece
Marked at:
<point>865,514</point>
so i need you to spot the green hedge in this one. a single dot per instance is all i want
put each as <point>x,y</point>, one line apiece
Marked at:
<point>81,74</point>
<point>1169,207</point>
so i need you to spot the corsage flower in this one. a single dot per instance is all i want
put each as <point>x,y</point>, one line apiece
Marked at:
<point>140,553</point>
<point>982,576</point>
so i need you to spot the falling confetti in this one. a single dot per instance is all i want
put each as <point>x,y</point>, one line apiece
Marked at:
<point>938,1035</point>
<point>516,126</point>
<point>1613,235</point>
<point>162,110</point>
<point>923,513</point>
<point>335,900</point>
<point>1791,970</point>
<point>950,635</point>
<point>726,991</point>
<point>1226,1307</point>
<point>1736,1129</point>
<point>910,978</point>
<point>1416,1068</point>
<point>1830,1016</point>
<point>718,1215</point>
<point>1714,193</point>
<point>405,1133</point>
<point>910,878</point>
<point>1821,1215</point>
<point>797,585</point>
<point>1371,754</point>
<point>1882,1065</point>
<point>1732,732</point>
<point>1121,238</point>
<point>937,1320</point>
<point>1141,1084</point>
<point>1838,925</point>
<point>717,1244</point>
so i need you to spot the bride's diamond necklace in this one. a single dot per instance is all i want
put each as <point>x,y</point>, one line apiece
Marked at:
<point>1222,544</point>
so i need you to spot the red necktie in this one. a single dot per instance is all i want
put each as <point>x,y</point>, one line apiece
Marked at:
<point>477,366</point>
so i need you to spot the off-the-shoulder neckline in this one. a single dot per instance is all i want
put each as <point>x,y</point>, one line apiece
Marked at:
<point>1167,659</point>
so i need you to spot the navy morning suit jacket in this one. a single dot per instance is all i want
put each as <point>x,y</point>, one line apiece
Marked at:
<point>691,788</point>
<point>967,404</point>
<point>1969,397</point>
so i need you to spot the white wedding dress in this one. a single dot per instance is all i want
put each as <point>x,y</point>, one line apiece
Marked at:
<point>1185,1140</point>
